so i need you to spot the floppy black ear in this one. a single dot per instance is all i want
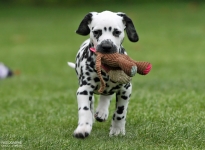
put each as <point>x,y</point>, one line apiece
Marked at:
<point>130,28</point>
<point>83,28</point>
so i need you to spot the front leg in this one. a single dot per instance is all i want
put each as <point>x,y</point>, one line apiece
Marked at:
<point>85,116</point>
<point>122,100</point>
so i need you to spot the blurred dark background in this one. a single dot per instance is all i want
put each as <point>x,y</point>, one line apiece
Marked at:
<point>83,2</point>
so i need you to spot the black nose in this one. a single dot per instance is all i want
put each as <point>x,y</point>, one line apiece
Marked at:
<point>106,46</point>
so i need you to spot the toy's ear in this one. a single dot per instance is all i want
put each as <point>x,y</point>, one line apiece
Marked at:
<point>83,28</point>
<point>130,29</point>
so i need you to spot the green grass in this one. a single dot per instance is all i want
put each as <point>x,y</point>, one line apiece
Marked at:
<point>167,107</point>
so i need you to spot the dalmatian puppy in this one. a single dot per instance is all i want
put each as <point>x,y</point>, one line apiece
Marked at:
<point>106,30</point>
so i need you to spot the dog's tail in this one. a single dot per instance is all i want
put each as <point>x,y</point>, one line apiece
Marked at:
<point>72,65</point>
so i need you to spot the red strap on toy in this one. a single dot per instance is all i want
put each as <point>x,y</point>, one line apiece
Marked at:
<point>147,70</point>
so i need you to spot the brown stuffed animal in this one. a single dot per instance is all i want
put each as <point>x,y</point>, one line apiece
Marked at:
<point>119,64</point>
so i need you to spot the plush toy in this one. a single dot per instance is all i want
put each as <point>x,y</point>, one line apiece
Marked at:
<point>119,67</point>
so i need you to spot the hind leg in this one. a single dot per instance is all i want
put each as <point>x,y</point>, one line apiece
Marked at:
<point>102,109</point>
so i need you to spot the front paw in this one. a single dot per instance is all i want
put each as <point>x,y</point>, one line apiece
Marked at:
<point>101,115</point>
<point>115,131</point>
<point>83,130</point>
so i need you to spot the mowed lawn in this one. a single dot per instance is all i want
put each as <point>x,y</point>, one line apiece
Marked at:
<point>38,108</point>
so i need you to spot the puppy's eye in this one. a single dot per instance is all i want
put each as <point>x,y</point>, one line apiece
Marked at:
<point>97,32</point>
<point>116,33</point>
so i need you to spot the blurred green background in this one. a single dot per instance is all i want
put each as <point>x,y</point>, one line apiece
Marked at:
<point>83,2</point>
<point>39,107</point>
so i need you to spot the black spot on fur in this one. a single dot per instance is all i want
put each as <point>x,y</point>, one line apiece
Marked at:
<point>105,28</point>
<point>88,78</point>
<point>85,108</point>
<point>96,87</point>
<point>85,54</point>
<point>81,74</point>
<point>103,73</point>
<point>96,79</point>
<point>83,93</point>
<point>127,86</point>
<point>118,118</point>
<point>106,79</point>
<point>97,34</point>
<point>120,109</point>
<point>88,68</point>
<point>84,82</point>
<point>109,93</point>
<point>76,72</point>
<point>92,64</point>
<point>83,77</point>
<point>90,98</point>
<point>124,97</point>
<point>113,118</point>
<point>91,92</point>
<point>92,86</point>
<point>79,108</point>
<point>89,59</point>
<point>78,55</point>
<point>110,28</point>
<point>91,45</point>
<point>115,88</point>
<point>87,73</point>
<point>116,99</point>
<point>116,32</point>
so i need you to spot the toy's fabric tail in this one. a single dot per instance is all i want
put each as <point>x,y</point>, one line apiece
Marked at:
<point>72,65</point>
<point>98,68</point>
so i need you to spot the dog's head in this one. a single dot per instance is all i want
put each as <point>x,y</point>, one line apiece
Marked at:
<point>106,30</point>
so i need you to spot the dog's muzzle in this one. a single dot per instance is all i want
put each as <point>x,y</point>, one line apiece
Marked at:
<point>107,47</point>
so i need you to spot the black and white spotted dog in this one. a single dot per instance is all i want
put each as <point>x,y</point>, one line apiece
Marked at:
<point>106,31</point>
